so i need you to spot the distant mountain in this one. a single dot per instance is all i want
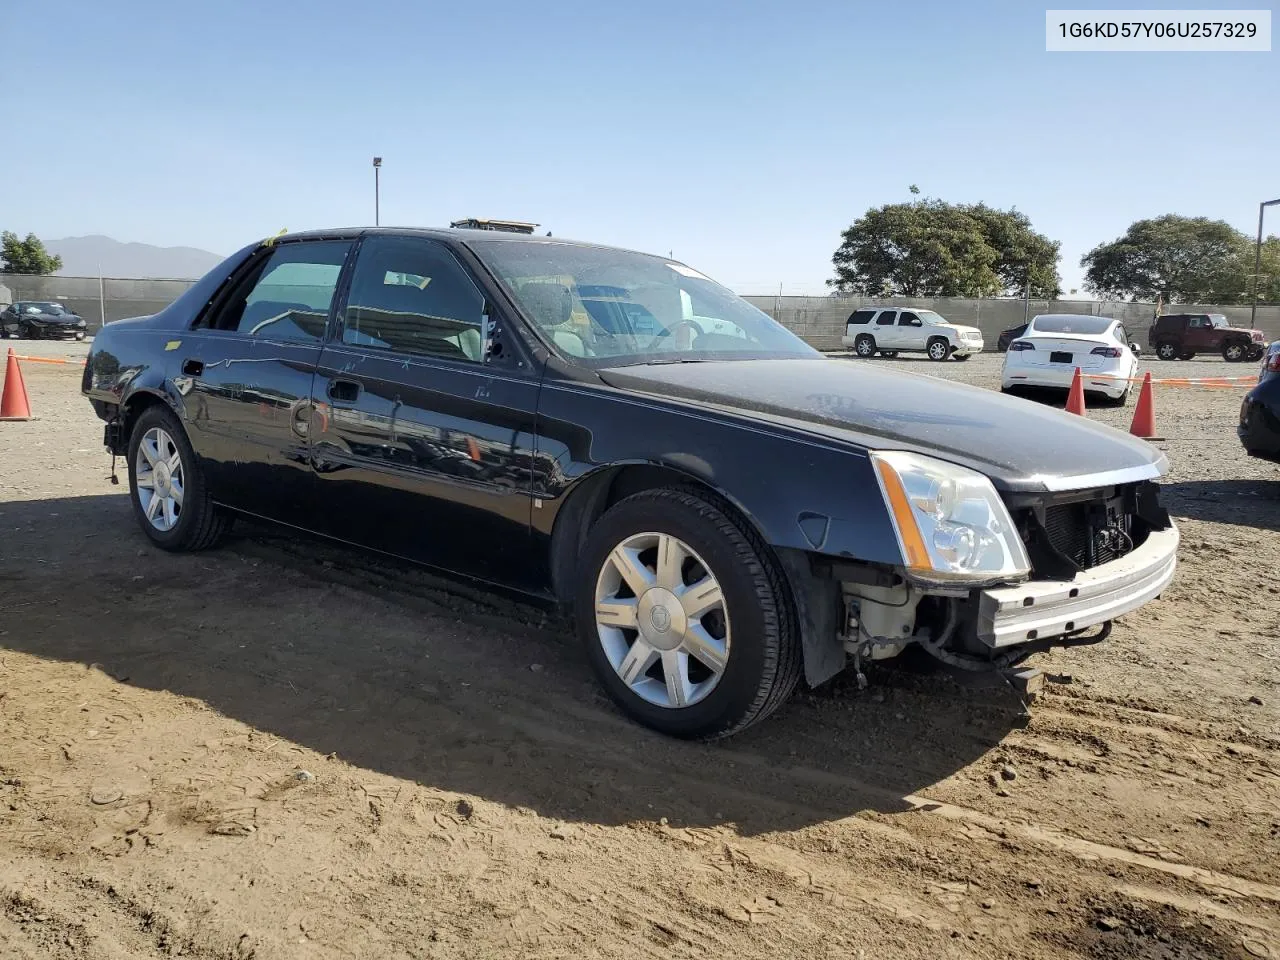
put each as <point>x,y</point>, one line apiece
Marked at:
<point>82,257</point>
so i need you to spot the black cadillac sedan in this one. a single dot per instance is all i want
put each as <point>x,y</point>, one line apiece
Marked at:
<point>725,510</point>
<point>36,320</point>
<point>1259,428</point>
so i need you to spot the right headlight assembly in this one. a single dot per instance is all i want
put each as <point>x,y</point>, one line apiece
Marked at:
<point>951,524</point>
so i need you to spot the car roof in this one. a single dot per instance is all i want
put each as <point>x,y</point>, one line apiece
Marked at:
<point>451,233</point>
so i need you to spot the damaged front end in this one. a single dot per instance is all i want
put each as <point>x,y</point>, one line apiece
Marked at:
<point>1090,556</point>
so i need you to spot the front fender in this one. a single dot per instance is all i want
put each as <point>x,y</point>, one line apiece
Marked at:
<point>799,493</point>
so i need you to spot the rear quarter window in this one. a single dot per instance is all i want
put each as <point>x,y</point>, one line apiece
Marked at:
<point>861,316</point>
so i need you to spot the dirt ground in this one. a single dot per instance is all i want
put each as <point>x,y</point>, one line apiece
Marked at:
<point>283,750</point>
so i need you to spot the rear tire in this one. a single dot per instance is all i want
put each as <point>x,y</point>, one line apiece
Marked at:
<point>197,524</point>
<point>938,349</point>
<point>1186,356</point>
<point>758,646</point>
<point>865,346</point>
<point>1168,350</point>
<point>888,354</point>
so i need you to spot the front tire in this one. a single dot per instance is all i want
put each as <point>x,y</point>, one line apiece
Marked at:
<point>170,498</point>
<point>685,617</point>
<point>938,349</point>
<point>1234,352</point>
<point>865,346</point>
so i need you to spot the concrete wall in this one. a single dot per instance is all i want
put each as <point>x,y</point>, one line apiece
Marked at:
<point>819,320</point>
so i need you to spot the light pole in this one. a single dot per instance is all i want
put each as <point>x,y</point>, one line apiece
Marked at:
<point>1026,303</point>
<point>1257,263</point>
<point>377,167</point>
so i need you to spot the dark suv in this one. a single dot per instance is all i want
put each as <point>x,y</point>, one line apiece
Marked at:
<point>1180,336</point>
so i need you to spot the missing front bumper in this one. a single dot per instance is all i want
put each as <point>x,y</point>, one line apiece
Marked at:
<point>1040,609</point>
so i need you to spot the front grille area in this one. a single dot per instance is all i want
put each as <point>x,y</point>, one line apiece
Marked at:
<point>1065,536</point>
<point>1089,534</point>
<point>1068,531</point>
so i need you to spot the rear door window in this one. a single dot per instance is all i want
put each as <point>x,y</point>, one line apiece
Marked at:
<point>886,318</point>
<point>289,296</point>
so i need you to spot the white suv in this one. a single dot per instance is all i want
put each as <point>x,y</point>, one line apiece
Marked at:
<point>889,330</point>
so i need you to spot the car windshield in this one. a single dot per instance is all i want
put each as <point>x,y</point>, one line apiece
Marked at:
<point>53,308</point>
<point>1084,326</point>
<point>928,316</point>
<point>1218,320</point>
<point>609,308</point>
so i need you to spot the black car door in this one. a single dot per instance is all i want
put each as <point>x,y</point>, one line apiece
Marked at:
<point>423,446</point>
<point>245,372</point>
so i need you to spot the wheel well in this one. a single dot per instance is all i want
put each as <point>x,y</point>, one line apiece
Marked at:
<point>128,416</point>
<point>815,600</point>
<point>597,494</point>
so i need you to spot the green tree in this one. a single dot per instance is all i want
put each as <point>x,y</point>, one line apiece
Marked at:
<point>1182,259</point>
<point>1021,251</point>
<point>928,248</point>
<point>26,256</point>
<point>1268,271</point>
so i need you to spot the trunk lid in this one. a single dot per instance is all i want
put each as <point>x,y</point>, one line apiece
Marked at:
<point>1077,350</point>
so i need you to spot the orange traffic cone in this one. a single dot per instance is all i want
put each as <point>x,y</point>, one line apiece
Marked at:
<point>1144,417</point>
<point>1075,398</point>
<point>13,402</point>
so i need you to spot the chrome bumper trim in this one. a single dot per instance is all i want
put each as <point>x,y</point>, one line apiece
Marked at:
<point>1040,609</point>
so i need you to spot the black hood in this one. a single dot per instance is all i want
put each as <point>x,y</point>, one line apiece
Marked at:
<point>1019,444</point>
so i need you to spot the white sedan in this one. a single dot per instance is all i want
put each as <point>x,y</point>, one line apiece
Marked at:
<point>1055,344</point>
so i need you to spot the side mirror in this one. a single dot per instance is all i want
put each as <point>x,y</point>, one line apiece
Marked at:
<point>1136,348</point>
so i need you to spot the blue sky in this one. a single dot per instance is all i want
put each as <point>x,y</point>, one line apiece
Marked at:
<point>742,136</point>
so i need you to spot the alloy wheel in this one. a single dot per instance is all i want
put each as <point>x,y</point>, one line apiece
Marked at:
<point>938,350</point>
<point>160,479</point>
<point>662,620</point>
